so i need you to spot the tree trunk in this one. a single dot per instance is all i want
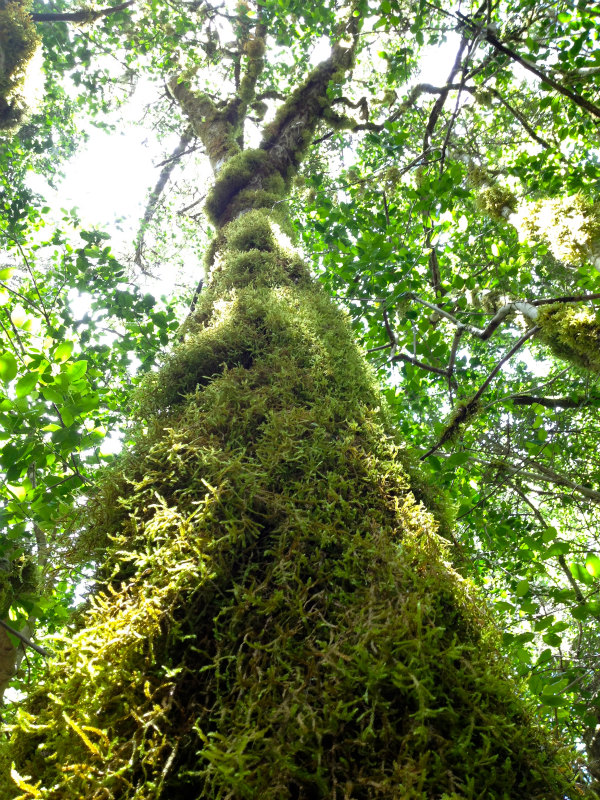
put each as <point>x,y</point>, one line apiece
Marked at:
<point>275,616</point>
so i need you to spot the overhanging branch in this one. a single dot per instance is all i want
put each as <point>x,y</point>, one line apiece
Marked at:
<point>83,16</point>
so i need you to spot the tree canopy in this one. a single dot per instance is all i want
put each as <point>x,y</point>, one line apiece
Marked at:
<point>455,219</point>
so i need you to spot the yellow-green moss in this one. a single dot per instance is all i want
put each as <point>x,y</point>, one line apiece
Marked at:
<point>497,202</point>
<point>234,176</point>
<point>570,226</point>
<point>254,49</point>
<point>275,617</point>
<point>18,42</point>
<point>477,176</point>
<point>435,499</point>
<point>572,332</point>
<point>484,97</point>
<point>18,578</point>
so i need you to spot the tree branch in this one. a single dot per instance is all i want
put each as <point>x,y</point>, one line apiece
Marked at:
<point>553,402</point>
<point>415,362</point>
<point>569,298</point>
<point>490,37</point>
<point>83,16</point>
<point>547,475</point>
<point>155,194</point>
<point>467,410</point>
<point>24,640</point>
<point>520,118</point>
<point>561,559</point>
<point>439,103</point>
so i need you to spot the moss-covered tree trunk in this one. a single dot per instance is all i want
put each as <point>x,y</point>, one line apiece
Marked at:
<point>275,617</point>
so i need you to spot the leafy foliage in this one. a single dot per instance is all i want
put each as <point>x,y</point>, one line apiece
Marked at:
<point>71,325</point>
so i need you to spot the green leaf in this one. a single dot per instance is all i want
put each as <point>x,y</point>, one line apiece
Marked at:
<point>51,427</point>
<point>580,573</point>
<point>549,534</point>
<point>457,459</point>
<point>580,612</point>
<point>557,549</point>
<point>76,369</point>
<point>63,352</point>
<point>51,395</point>
<point>554,700</point>
<point>592,564</point>
<point>8,367</point>
<point>20,492</point>
<point>552,639</point>
<point>522,588</point>
<point>66,416</point>
<point>26,384</point>
<point>19,316</point>
<point>522,638</point>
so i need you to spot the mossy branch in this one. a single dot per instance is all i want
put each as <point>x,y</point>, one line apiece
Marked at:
<point>465,411</point>
<point>554,402</point>
<point>572,333</point>
<point>220,126</point>
<point>84,16</point>
<point>263,176</point>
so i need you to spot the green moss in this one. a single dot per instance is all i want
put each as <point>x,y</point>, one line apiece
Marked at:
<point>255,50</point>
<point>234,176</point>
<point>477,176</point>
<point>570,226</point>
<point>434,498</point>
<point>460,417</point>
<point>275,618</point>
<point>18,578</point>
<point>260,198</point>
<point>18,42</point>
<point>287,110</point>
<point>253,231</point>
<point>6,594</point>
<point>497,202</point>
<point>257,319</point>
<point>572,332</point>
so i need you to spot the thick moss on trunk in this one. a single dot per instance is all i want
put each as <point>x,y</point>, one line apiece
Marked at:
<point>572,333</point>
<point>275,617</point>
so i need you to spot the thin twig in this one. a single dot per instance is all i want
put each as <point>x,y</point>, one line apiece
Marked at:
<point>415,362</point>
<point>27,642</point>
<point>155,194</point>
<point>490,37</point>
